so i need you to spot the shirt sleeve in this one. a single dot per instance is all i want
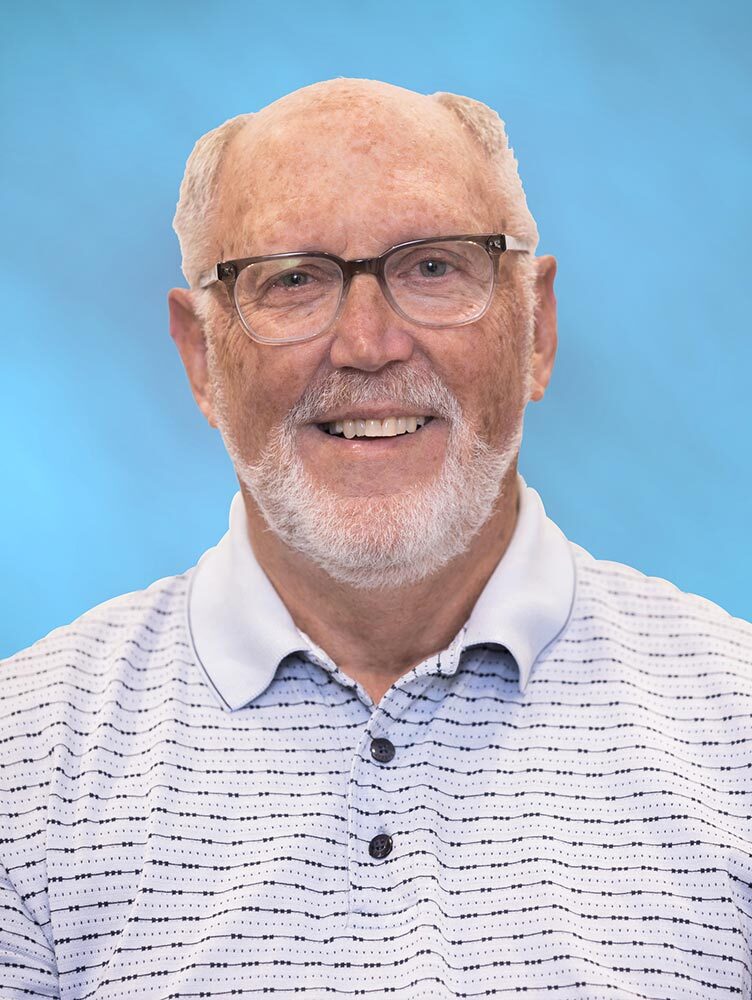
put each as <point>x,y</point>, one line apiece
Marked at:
<point>27,960</point>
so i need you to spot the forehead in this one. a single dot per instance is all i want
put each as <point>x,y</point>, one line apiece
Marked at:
<point>350,177</point>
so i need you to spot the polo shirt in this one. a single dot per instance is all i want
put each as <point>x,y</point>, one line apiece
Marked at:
<point>196,802</point>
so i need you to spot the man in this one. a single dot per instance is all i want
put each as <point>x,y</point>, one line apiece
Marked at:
<point>394,734</point>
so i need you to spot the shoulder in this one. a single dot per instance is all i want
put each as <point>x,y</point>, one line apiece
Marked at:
<point>651,615</point>
<point>76,667</point>
<point>72,705</point>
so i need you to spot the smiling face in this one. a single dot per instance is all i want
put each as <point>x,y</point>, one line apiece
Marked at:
<point>353,171</point>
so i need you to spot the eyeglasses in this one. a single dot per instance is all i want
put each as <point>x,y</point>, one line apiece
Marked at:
<point>288,298</point>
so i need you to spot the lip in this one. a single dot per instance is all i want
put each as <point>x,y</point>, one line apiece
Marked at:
<point>370,413</point>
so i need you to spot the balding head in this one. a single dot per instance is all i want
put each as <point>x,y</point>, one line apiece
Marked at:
<point>352,168</point>
<point>314,134</point>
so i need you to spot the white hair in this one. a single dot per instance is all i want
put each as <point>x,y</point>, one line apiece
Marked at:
<point>194,215</point>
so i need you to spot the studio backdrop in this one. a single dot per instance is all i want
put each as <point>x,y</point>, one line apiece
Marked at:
<point>631,124</point>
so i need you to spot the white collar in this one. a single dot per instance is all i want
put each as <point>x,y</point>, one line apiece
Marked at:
<point>241,629</point>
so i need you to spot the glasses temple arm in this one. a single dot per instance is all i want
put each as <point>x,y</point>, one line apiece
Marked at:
<point>512,243</point>
<point>208,277</point>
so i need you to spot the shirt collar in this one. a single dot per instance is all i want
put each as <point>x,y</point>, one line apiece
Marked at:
<point>528,599</point>
<point>241,629</point>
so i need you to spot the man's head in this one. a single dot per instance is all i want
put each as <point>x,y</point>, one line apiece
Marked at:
<point>352,167</point>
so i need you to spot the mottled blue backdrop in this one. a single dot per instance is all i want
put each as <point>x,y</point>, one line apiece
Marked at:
<point>631,122</point>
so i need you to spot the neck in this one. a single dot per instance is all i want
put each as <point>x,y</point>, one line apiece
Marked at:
<point>405,624</point>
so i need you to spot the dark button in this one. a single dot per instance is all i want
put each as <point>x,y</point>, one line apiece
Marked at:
<point>382,751</point>
<point>380,846</point>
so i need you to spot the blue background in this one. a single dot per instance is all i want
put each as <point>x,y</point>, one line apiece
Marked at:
<point>631,123</point>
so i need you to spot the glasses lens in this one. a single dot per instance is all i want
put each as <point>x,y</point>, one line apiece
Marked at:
<point>441,284</point>
<point>290,299</point>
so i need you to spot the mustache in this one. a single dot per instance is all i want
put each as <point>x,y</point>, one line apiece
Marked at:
<point>407,388</point>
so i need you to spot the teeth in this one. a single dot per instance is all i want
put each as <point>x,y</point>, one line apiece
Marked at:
<point>389,427</point>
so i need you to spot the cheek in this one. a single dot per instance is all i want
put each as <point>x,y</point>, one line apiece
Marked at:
<point>236,369</point>
<point>491,374</point>
<point>262,384</point>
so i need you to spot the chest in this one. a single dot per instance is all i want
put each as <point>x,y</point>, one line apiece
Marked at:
<point>454,842</point>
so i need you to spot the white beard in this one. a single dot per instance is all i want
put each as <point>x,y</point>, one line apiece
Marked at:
<point>390,540</point>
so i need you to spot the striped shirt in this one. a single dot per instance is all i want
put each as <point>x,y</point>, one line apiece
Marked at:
<point>196,802</point>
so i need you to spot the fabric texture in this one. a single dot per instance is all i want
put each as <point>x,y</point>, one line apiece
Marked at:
<point>197,802</point>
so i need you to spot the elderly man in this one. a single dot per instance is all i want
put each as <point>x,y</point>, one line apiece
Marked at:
<point>394,734</point>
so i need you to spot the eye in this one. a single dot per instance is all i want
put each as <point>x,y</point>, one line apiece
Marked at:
<point>432,268</point>
<point>293,279</point>
<point>426,264</point>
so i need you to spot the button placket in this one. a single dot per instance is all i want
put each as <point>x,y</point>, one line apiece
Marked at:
<point>382,751</point>
<point>370,821</point>
<point>380,854</point>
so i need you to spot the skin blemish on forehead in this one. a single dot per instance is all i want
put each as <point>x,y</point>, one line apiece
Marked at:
<point>311,182</point>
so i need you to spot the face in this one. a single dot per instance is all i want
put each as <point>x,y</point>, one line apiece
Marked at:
<point>373,511</point>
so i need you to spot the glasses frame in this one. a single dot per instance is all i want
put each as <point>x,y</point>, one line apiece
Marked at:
<point>227,271</point>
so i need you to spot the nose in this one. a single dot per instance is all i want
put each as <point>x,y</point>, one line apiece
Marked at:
<point>368,333</point>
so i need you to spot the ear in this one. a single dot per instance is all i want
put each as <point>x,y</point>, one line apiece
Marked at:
<point>187,331</point>
<point>544,350</point>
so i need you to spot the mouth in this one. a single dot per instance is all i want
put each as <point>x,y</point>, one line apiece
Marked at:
<point>356,427</point>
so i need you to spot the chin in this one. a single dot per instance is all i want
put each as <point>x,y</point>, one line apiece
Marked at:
<point>390,540</point>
